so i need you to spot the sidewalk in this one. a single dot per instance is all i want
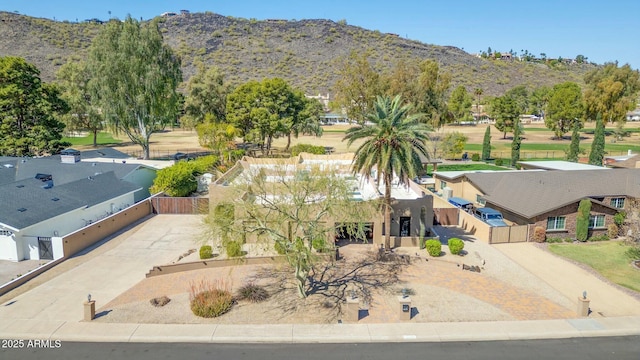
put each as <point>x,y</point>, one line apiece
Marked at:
<point>338,333</point>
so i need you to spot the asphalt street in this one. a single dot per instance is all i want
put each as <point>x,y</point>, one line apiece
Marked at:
<point>569,349</point>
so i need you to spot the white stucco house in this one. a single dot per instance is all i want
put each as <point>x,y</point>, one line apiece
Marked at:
<point>44,199</point>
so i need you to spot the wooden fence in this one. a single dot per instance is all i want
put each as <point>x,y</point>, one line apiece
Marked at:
<point>509,234</point>
<point>180,205</point>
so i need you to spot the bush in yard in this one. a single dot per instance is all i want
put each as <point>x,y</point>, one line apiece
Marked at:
<point>252,292</point>
<point>619,218</point>
<point>160,301</point>
<point>206,252</point>
<point>434,247</point>
<point>455,245</point>
<point>601,237</point>
<point>210,300</point>
<point>499,162</point>
<point>612,231</point>
<point>475,157</point>
<point>539,234</point>
<point>233,249</point>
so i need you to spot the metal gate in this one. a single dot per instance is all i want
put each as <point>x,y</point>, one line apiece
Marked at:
<point>44,248</point>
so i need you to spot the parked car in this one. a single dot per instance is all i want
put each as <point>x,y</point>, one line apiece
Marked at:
<point>490,216</point>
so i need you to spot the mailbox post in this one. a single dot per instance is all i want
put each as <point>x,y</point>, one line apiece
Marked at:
<point>405,308</point>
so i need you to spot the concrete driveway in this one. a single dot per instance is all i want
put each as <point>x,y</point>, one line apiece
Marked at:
<point>158,240</point>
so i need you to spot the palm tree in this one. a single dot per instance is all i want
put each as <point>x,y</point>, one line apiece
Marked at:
<point>394,141</point>
<point>478,92</point>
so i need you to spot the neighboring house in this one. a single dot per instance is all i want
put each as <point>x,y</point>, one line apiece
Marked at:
<point>629,161</point>
<point>549,199</point>
<point>47,198</point>
<point>557,165</point>
<point>412,207</point>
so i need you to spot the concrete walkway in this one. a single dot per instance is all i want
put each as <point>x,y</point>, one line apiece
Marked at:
<point>571,280</point>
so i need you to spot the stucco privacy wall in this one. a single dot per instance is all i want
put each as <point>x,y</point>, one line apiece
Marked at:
<point>97,231</point>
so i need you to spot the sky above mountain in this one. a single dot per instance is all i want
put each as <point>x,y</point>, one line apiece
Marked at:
<point>602,31</point>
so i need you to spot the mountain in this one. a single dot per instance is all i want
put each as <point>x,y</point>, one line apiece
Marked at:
<point>303,52</point>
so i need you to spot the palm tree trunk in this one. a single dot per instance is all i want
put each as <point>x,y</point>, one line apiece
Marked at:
<point>387,211</point>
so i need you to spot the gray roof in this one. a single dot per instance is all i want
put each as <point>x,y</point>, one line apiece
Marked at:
<point>39,204</point>
<point>531,193</point>
<point>27,168</point>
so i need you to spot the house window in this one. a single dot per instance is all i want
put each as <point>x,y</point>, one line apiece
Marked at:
<point>480,200</point>
<point>596,221</point>
<point>443,184</point>
<point>617,202</point>
<point>555,223</point>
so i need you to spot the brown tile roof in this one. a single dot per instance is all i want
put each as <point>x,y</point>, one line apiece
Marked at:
<point>531,193</point>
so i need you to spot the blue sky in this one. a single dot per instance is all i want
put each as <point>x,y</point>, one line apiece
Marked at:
<point>601,30</point>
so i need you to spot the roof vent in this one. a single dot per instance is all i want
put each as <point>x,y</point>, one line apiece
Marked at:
<point>20,186</point>
<point>43,177</point>
<point>22,209</point>
<point>54,199</point>
<point>8,166</point>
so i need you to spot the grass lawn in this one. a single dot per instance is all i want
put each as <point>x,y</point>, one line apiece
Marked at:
<point>607,258</point>
<point>103,138</point>
<point>468,167</point>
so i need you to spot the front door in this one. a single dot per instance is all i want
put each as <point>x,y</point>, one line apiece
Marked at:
<point>405,226</point>
<point>45,249</point>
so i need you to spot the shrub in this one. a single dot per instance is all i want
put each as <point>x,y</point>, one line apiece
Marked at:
<point>475,157</point>
<point>455,246</point>
<point>280,249</point>
<point>582,220</point>
<point>233,248</point>
<point>206,252</point>
<point>253,293</point>
<point>633,253</point>
<point>602,237</point>
<point>612,231</point>
<point>319,244</point>
<point>619,218</point>
<point>539,234</point>
<point>568,240</point>
<point>552,240</point>
<point>434,247</point>
<point>160,301</point>
<point>499,162</point>
<point>311,149</point>
<point>210,300</point>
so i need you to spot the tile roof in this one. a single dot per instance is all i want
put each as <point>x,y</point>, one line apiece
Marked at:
<point>531,193</point>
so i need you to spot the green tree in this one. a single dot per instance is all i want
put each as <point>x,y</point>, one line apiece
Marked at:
<point>516,143</point>
<point>357,86</point>
<point>290,215</point>
<point>538,100</point>
<point>596,156</point>
<point>28,109</point>
<point>393,145</point>
<point>460,104</point>
<point>217,136</point>
<point>478,93</point>
<point>565,108</point>
<point>505,112</point>
<point>582,220</point>
<point>180,179</point>
<point>134,76</point>
<point>453,144</point>
<point>266,110</point>
<point>611,92</point>
<point>73,78</point>
<point>486,144</point>
<point>574,148</point>
<point>206,95</point>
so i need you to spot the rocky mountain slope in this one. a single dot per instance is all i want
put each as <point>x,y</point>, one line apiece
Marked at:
<point>303,52</point>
